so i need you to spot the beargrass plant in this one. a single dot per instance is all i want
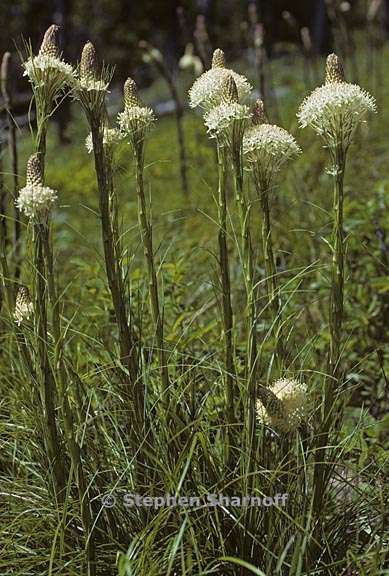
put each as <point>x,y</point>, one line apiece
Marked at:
<point>88,527</point>
<point>135,122</point>
<point>334,111</point>
<point>90,90</point>
<point>49,78</point>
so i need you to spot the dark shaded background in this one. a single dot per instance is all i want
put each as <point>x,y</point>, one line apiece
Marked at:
<point>116,26</point>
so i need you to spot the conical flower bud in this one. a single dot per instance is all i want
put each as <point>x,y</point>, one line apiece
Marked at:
<point>49,46</point>
<point>218,59</point>
<point>88,63</point>
<point>334,70</point>
<point>34,171</point>
<point>230,91</point>
<point>259,115</point>
<point>131,97</point>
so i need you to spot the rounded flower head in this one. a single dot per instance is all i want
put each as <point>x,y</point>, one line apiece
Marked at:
<point>207,91</point>
<point>267,146</point>
<point>228,118</point>
<point>136,119</point>
<point>35,199</point>
<point>336,108</point>
<point>284,406</point>
<point>47,70</point>
<point>111,136</point>
<point>24,307</point>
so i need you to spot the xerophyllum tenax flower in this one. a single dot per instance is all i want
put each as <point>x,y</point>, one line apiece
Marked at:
<point>136,119</point>
<point>48,70</point>
<point>336,108</point>
<point>111,136</point>
<point>267,146</point>
<point>89,77</point>
<point>91,86</point>
<point>35,200</point>
<point>24,307</point>
<point>284,405</point>
<point>207,91</point>
<point>229,117</point>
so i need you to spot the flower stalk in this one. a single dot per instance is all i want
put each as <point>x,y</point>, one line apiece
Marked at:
<point>226,287</point>
<point>135,122</point>
<point>334,110</point>
<point>90,90</point>
<point>266,148</point>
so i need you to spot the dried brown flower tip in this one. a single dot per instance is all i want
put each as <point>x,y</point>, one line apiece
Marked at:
<point>218,59</point>
<point>230,91</point>
<point>334,70</point>
<point>34,171</point>
<point>49,46</point>
<point>88,63</point>
<point>131,97</point>
<point>259,114</point>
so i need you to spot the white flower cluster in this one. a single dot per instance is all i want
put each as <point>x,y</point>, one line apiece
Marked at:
<point>268,146</point>
<point>42,68</point>
<point>135,121</point>
<point>91,85</point>
<point>111,136</point>
<point>221,118</point>
<point>35,200</point>
<point>293,395</point>
<point>208,90</point>
<point>335,109</point>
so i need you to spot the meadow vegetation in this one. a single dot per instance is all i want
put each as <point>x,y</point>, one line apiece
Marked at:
<point>83,417</point>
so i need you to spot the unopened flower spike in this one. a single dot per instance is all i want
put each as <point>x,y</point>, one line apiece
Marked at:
<point>218,59</point>
<point>88,63</point>
<point>207,91</point>
<point>136,119</point>
<point>336,108</point>
<point>227,120</point>
<point>49,46</point>
<point>35,199</point>
<point>130,94</point>
<point>259,114</point>
<point>24,307</point>
<point>47,71</point>
<point>334,70</point>
<point>91,80</point>
<point>230,94</point>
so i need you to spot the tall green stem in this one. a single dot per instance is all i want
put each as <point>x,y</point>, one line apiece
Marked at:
<point>61,379</point>
<point>248,269</point>
<point>323,468</point>
<point>128,349</point>
<point>147,240</point>
<point>226,287</point>
<point>47,388</point>
<point>273,294</point>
